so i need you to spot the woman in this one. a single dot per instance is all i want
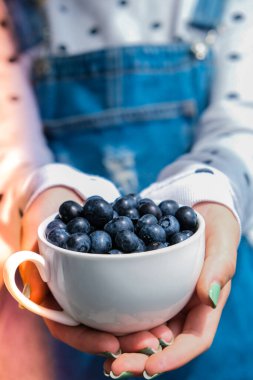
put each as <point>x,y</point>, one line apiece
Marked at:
<point>114,82</point>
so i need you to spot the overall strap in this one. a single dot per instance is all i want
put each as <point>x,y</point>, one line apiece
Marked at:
<point>27,21</point>
<point>207,14</point>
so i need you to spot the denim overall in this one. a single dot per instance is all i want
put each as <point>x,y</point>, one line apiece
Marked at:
<point>125,113</point>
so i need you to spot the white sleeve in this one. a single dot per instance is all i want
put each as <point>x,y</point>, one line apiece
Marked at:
<point>22,145</point>
<point>26,163</point>
<point>219,167</point>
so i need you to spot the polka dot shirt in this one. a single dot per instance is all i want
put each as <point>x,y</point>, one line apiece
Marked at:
<point>220,166</point>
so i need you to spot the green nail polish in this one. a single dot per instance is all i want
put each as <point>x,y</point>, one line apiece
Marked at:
<point>164,343</point>
<point>147,351</point>
<point>214,293</point>
<point>149,377</point>
<point>111,355</point>
<point>123,375</point>
<point>106,374</point>
<point>27,290</point>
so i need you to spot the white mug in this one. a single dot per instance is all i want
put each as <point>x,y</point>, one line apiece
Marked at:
<point>120,294</point>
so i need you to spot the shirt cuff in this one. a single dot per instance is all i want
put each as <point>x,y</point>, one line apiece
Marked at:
<point>52,175</point>
<point>195,184</point>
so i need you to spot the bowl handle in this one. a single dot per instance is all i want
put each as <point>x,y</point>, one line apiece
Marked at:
<point>9,270</point>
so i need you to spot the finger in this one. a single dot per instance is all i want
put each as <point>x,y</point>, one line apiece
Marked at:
<point>84,338</point>
<point>31,279</point>
<point>125,365</point>
<point>45,205</point>
<point>28,271</point>
<point>222,239</point>
<point>10,230</point>
<point>197,336</point>
<point>143,341</point>
<point>164,335</point>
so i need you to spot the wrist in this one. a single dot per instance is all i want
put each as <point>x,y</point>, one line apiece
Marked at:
<point>60,176</point>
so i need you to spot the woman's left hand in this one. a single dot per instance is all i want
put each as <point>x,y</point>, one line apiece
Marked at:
<point>193,330</point>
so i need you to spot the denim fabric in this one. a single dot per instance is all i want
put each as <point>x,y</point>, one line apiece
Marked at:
<point>99,108</point>
<point>125,113</point>
<point>28,22</point>
<point>208,14</point>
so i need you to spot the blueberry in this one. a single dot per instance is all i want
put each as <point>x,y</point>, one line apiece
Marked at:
<point>158,245</point>
<point>169,207</point>
<point>78,242</point>
<point>170,225</point>
<point>70,210</point>
<point>122,223</point>
<point>115,214</point>
<point>115,252</point>
<point>101,242</point>
<point>188,233</point>
<point>94,197</point>
<point>98,212</point>
<point>56,223</point>
<point>187,218</point>
<point>78,224</point>
<point>152,234</point>
<point>178,237</point>
<point>150,208</point>
<point>127,241</point>
<point>124,203</point>
<point>58,237</point>
<point>141,246</point>
<point>132,213</point>
<point>143,201</point>
<point>145,219</point>
<point>136,197</point>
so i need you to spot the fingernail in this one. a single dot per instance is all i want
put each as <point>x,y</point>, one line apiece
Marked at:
<point>122,375</point>
<point>149,350</point>
<point>164,343</point>
<point>147,376</point>
<point>106,373</point>
<point>27,292</point>
<point>112,355</point>
<point>214,293</point>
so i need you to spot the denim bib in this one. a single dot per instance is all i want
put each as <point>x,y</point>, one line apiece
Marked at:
<point>125,113</point>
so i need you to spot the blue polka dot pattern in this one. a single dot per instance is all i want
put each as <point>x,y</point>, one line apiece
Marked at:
<point>13,59</point>
<point>123,2</point>
<point>234,56</point>
<point>94,30</point>
<point>4,23</point>
<point>233,95</point>
<point>238,16</point>
<point>156,25</point>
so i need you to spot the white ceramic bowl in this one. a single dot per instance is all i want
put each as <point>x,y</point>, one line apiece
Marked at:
<point>115,293</point>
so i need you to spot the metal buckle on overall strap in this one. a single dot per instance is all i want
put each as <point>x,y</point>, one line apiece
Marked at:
<point>201,48</point>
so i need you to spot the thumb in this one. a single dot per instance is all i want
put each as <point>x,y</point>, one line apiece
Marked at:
<point>222,239</point>
<point>10,228</point>
<point>43,206</point>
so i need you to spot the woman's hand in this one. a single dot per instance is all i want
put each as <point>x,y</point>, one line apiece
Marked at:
<point>10,227</point>
<point>194,328</point>
<point>80,337</point>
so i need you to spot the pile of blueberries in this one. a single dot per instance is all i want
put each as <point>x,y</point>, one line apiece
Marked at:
<point>129,224</point>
